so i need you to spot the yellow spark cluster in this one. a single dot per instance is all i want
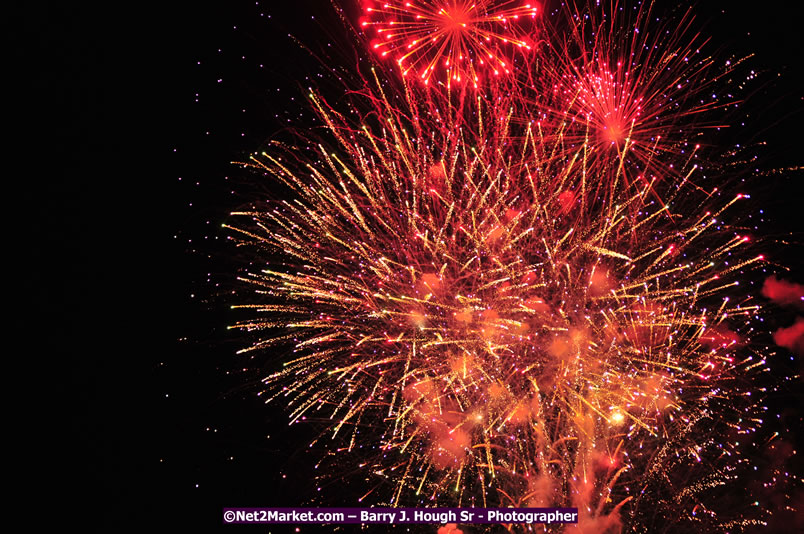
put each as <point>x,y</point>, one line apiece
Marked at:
<point>499,320</point>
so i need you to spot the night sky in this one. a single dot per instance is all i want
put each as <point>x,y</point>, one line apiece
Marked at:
<point>125,123</point>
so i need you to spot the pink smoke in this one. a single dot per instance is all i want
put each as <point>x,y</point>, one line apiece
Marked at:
<point>783,292</point>
<point>791,337</point>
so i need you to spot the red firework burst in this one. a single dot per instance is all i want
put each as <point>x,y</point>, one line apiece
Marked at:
<point>629,84</point>
<point>465,37</point>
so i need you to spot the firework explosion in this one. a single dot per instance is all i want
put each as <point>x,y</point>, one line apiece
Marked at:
<point>630,79</point>
<point>461,37</point>
<point>498,311</point>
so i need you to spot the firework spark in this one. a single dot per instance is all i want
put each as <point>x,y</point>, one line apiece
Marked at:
<point>462,37</point>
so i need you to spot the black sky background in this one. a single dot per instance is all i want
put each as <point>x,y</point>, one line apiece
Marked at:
<point>118,174</point>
